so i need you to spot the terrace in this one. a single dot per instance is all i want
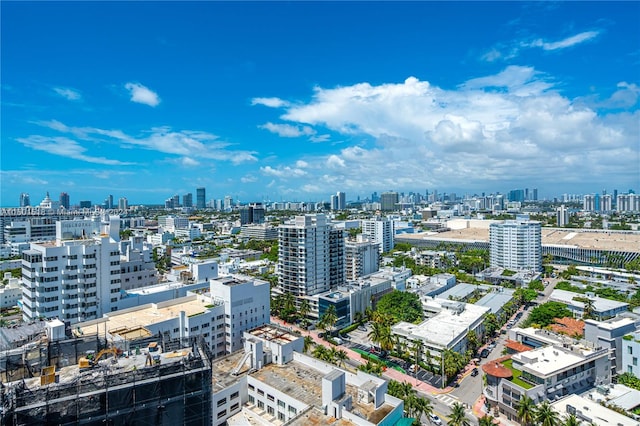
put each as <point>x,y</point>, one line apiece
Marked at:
<point>516,375</point>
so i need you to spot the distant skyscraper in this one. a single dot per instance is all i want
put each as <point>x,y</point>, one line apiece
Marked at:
<point>228,203</point>
<point>388,201</point>
<point>85,204</point>
<point>342,200</point>
<point>605,203</point>
<point>562,216</point>
<point>123,203</point>
<point>535,194</point>
<point>175,201</point>
<point>588,203</point>
<point>201,197</point>
<point>25,201</point>
<point>516,245</point>
<point>596,202</point>
<point>187,200</point>
<point>64,200</point>
<point>516,195</point>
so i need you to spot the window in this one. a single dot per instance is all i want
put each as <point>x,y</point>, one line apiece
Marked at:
<point>222,413</point>
<point>252,399</point>
<point>635,360</point>
<point>222,401</point>
<point>293,410</point>
<point>629,369</point>
<point>270,397</point>
<point>234,407</point>
<point>270,410</point>
<point>260,405</point>
<point>260,392</point>
<point>252,388</point>
<point>629,350</point>
<point>281,404</point>
<point>234,395</point>
<point>281,416</point>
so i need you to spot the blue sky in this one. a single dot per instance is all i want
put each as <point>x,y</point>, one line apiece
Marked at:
<point>298,100</point>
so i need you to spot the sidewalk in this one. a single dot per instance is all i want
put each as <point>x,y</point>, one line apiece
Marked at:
<point>355,356</point>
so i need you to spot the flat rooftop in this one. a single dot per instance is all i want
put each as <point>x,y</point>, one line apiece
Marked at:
<point>273,333</point>
<point>624,241</point>
<point>592,412</point>
<point>495,300</point>
<point>443,328</point>
<point>222,368</point>
<point>599,304</point>
<point>548,360</point>
<point>143,316</point>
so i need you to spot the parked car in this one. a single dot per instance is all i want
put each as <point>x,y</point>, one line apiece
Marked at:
<point>475,372</point>
<point>484,353</point>
<point>435,420</point>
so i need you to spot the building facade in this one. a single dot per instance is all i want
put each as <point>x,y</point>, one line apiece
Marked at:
<point>380,230</point>
<point>362,258</point>
<point>516,245</point>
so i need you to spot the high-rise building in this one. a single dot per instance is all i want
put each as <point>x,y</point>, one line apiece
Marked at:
<point>123,203</point>
<point>201,198</point>
<point>253,213</point>
<point>25,201</point>
<point>388,201</point>
<point>310,256</point>
<point>562,216</point>
<point>588,203</point>
<point>381,231</point>
<point>342,200</point>
<point>187,200</point>
<point>74,280</point>
<point>362,258</point>
<point>517,195</point>
<point>596,202</point>
<point>85,204</point>
<point>535,194</point>
<point>228,203</point>
<point>628,202</point>
<point>605,203</point>
<point>516,245</point>
<point>64,200</point>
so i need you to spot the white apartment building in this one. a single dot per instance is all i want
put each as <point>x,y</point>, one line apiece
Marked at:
<point>171,223</point>
<point>589,412</point>
<point>380,230</point>
<point>362,258</point>
<point>10,291</point>
<point>516,245</point>
<point>628,203</point>
<point>247,304</point>
<point>544,374</point>
<point>631,353</point>
<point>76,280</point>
<point>310,256</point>
<point>137,268</point>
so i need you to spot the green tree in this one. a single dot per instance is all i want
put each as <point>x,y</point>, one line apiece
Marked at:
<point>571,420</point>
<point>486,421</point>
<point>401,306</point>
<point>472,341</point>
<point>308,343</point>
<point>458,415</point>
<point>341,357</point>
<point>305,308</point>
<point>358,318</point>
<point>329,318</point>
<point>491,324</point>
<point>545,415</point>
<point>543,315</point>
<point>526,410</point>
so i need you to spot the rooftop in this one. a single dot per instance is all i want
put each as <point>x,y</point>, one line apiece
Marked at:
<point>495,300</point>
<point>603,240</point>
<point>599,304</point>
<point>223,367</point>
<point>592,412</point>
<point>549,360</point>
<point>273,333</point>
<point>444,328</point>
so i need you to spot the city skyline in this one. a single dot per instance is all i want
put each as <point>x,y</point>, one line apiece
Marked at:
<point>260,101</point>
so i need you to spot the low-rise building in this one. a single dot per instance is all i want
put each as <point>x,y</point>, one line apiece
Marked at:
<point>590,412</point>
<point>630,354</point>
<point>601,308</point>
<point>610,334</point>
<point>446,327</point>
<point>10,291</point>
<point>544,374</point>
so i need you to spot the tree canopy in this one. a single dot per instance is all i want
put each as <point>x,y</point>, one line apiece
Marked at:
<point>544,314</point>
<point>401,306</point>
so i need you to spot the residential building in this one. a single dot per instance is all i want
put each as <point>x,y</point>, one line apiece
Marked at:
<point>64,200</point>
<point>74,280</point>
<point>589,203</point>
<point>262,232</point>
<point>388,201</point>
<point>380,230</point>
<point>10,291</point>
<point>590,412</point>
<point>187,200</point>
<point>201,198</point>
<point>446,327</point>
<point>362,257</point>
<point>123,203</point>
<point>137,268</point>
<point>252,214</point>
<point>630,353</point>
<point>601,308</point>
<point>338,201</point>
<point>310,256</point>
<point>562,216</point>
<point>25,201</point>
<point>628,202</point>
<point>610,334</point>
<point>544,374</point>
<point>516,245</point>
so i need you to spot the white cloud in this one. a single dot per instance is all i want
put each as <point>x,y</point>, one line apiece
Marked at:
<point>186,144</point>
<point>270,102</point>
<point>248,179</point>
<point>142,94</point>
<point>301,164</point>
<point>66,147</point>
<point>490,130</point>
<point>287,130</point>
<point>67,93</point>
<point>567,42</point>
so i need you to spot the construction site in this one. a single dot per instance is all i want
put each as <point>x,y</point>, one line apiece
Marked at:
<point>89,381</point>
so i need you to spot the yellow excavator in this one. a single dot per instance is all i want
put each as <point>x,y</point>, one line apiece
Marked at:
<point>91,361</point>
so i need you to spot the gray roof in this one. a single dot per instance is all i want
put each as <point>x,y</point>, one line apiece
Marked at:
<point>459,291</point>
<point>495,300</point>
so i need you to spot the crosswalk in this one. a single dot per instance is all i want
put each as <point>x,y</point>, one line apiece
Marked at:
<point>447,399</point>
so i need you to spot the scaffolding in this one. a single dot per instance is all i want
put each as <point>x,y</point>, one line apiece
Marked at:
<point>172,394</point>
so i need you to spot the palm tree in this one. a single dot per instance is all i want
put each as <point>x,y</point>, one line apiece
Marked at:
<point>458,415</point>
<point>571,420</point>
<point>308,343</point>
<point>304,310</point>
<point>329,318</point>
<point>358,318</point>
<point>545,415</point>
<point>486,421</point>
<point>319,352</point>
<point>422,406</point>
<point>376,335</point>
<point>341,357</point>
<point>526,410</point>
<point>416,347</point>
